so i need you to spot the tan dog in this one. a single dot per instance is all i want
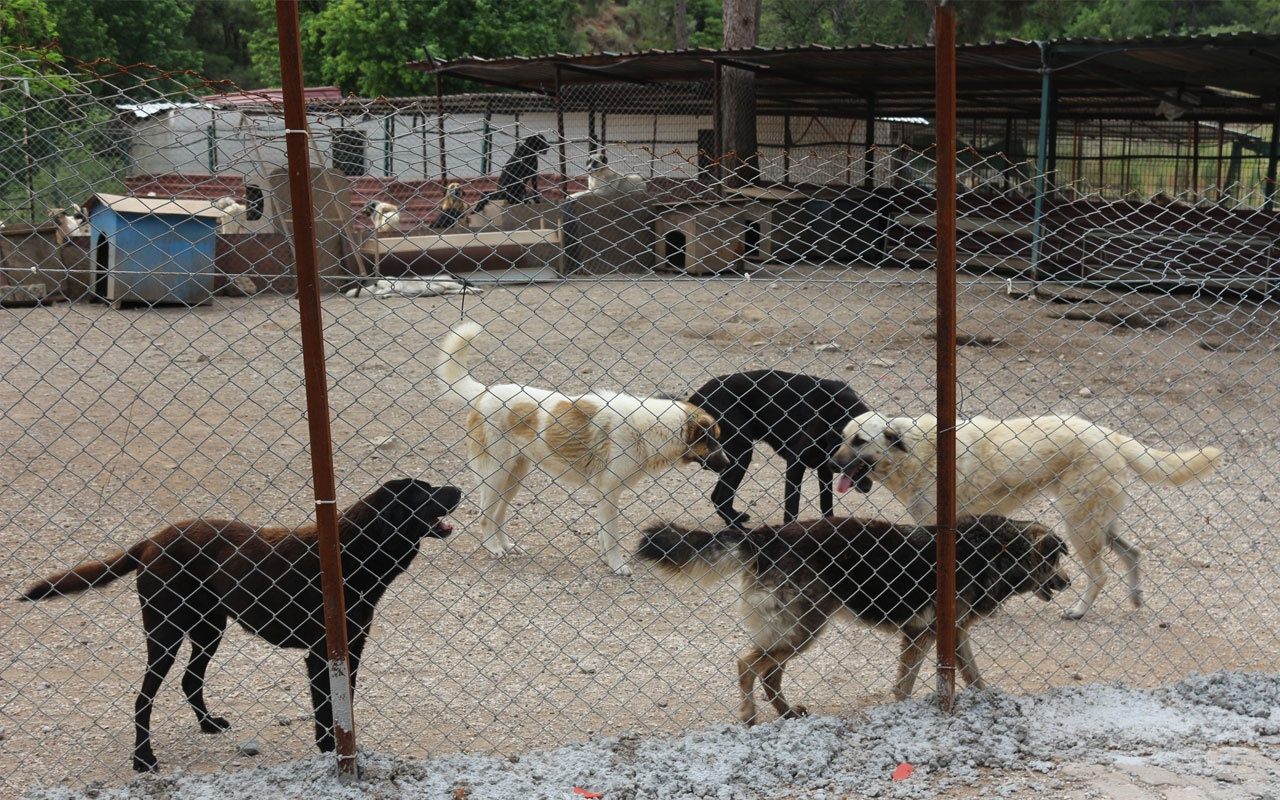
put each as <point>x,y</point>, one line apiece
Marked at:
<point>605,440</point>
<point>1003,464</point>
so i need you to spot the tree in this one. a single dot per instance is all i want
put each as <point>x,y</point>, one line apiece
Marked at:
<point>739,159</point>
<point>27,23</point>
<point>219,32</point>
<point>363,45</point>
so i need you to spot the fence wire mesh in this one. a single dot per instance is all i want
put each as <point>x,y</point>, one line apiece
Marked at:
<point>153,373</point>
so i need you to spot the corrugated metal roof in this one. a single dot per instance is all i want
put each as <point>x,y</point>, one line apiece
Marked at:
<point>1113,78</point>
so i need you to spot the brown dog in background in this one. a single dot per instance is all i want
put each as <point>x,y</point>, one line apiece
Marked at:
<point>193,575</point>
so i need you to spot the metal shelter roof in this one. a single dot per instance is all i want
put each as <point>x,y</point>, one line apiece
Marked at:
<point>1221,77</point>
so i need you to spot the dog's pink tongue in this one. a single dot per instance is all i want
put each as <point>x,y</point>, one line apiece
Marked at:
<point>843,483</point>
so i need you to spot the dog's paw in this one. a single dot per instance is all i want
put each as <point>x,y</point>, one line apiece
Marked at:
<point>736,519</point>
<point>145,761</point>
<point>214,725</point>
<point>499,551</point>
<point>795,712</point>
<point>621,570</point>
<point>1075,613</point>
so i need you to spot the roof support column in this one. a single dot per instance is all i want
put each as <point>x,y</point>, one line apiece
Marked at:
<point>444,164</point>
<point>564,177</point>
<point>1273,153</point>
<point>1046,139</point>
<point>869,146</point>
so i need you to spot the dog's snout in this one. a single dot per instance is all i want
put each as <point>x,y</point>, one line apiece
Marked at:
<point>841,457</point>
<point>716,459</point>
<point>1057,582</point>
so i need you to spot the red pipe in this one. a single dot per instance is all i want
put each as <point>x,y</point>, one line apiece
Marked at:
<point>304,252</point>
<point>945,63</point>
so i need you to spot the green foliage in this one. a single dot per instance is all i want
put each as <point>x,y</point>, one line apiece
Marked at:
<point>56,144</point>
<point>363,45</point>
<point>26,23</point>
<point>844,22</point>
<point>647,24</point>
<point>852,22</point>
<point>219,32</point>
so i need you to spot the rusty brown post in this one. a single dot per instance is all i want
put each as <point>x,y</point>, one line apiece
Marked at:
<point>304,251</point>
<point>945,171</point>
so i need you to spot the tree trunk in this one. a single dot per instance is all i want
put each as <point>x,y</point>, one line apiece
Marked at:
<point>738,157</point>
<point>680,22</point>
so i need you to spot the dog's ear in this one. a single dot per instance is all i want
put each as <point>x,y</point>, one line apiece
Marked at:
<point>895,439</point>
<point>702,427</point>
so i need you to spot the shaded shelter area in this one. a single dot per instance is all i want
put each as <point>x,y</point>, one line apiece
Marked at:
<point>1069,147</point>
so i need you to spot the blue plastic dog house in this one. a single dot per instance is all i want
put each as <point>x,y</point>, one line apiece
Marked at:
<point>152,249</point>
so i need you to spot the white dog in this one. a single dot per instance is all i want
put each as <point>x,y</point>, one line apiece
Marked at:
<point>605,440</point>
<point>1003,464</point>
<point>233,214</point>
<point>411,287</point>
<point>70,221</point>
<point>604,181</point>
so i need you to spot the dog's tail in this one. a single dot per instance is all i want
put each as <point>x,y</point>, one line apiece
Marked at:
<point>1158,466</point>
<point>452,368</point>
<point>87,575</point>
<point>695,556</point>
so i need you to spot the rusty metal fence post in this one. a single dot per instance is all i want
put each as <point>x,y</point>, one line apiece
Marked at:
<point>945,55</point>
<point>304,249</point>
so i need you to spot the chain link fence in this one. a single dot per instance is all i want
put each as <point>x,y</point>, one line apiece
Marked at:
<point>152,373</point>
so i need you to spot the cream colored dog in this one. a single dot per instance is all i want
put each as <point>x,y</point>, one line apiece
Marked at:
<point>1003,464</point>
<point>605,440</point>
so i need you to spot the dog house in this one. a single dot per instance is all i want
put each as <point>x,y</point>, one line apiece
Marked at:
<point>702,238</point>
<point>38,264</point>
<point>152,249</point>
<point>779,224</point>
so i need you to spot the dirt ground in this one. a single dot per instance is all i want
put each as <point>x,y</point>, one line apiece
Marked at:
<point>115,420</point>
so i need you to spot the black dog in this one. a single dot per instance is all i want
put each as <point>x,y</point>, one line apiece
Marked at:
<point>519,178</point>
<point>195,574</point>
<point>799,416</point>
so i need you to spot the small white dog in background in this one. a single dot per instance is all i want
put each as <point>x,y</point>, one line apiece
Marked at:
<point>411,287</point>
<point>604,181</point>
<point>233,214</point>
<point>1001,465</point>
<point>606,440</point>
<point>384,216</point>
<point>70,222</point>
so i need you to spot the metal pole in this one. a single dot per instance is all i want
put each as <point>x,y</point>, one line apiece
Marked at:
<point>945,55</point>
<point>304,251</point>
<point>1043,143</point>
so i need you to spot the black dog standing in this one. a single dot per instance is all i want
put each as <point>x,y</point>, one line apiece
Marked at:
<point>519,178</point>
<point>799,416</point>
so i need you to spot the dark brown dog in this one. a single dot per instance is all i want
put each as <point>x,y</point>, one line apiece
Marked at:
<point>794,578</point>
<point>193,575</point>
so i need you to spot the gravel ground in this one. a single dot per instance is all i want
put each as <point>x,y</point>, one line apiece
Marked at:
<point>117,419</point>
